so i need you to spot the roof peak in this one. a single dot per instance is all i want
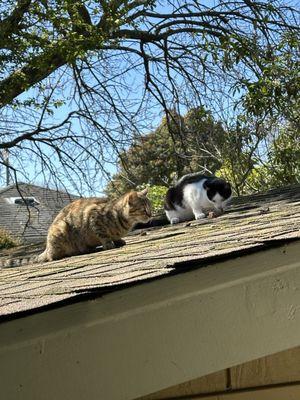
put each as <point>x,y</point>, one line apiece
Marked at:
<point>4,189</point>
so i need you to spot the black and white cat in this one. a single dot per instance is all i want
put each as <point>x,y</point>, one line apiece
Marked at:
<point>194,195</point>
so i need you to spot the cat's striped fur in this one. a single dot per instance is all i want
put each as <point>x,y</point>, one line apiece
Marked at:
<point>87,223</point>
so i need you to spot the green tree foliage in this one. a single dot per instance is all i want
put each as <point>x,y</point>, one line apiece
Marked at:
<point>178,146</point>
<point>206,140</point>
<point>254,155</point>
<point>6,241</point>
<point>285,157</point>
<point>156,195</point>
<point>275,91</point>
<point>151,159</point>
<point>249,171</point>
<point>273,99</point>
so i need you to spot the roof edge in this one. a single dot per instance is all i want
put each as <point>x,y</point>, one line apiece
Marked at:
<point>5,189</point>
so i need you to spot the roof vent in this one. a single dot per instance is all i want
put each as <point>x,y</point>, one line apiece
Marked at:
<point>23,201</point>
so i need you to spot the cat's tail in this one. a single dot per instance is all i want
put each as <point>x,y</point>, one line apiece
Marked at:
<point>23,260</point>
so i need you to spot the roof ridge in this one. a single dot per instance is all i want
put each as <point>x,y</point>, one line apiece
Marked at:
<point>11,186</point>
<point>3,190</point>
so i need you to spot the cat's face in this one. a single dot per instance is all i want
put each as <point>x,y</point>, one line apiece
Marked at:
<point>218,193</point>
<point>139,206</point>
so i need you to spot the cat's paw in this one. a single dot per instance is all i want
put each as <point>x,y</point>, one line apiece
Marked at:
<point>199,216</point>
<point>119,243</point>
<point>215,213</point>
<point>109,245</point>
<point>218,212</point>
<point>174,221</point>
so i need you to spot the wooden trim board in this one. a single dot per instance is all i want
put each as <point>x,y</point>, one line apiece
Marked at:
<point>290,392</point>
<point>278,369</point>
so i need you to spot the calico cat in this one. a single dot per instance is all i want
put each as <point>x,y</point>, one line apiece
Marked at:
<point>85,224</point>
<point>194,195</point>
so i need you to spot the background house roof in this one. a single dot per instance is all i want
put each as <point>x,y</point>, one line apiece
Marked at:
<point>31,223</point>
<point>252,223</point>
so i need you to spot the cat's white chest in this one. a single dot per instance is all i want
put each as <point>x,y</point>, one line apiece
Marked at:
<point>194,196</point>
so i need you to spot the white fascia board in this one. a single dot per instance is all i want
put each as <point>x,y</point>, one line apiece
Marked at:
<point>151,336</point>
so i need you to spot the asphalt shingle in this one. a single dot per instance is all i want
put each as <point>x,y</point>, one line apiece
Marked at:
<point>30,224</point>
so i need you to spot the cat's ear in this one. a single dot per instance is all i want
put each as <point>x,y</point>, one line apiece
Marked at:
<point>208,184</point>
<point>131,197</point>
<point>143,192</point>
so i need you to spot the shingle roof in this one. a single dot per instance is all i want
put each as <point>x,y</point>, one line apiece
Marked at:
<point>252,223</point>
<point>31,224</point>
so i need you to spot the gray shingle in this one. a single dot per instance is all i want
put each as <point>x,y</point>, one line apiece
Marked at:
<point>30,224</point>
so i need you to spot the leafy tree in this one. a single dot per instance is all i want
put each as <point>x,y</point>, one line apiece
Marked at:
<point>285,157</point>
<point>253,155</point>
<point>273,162</point>
<point>151,159</point>
<point>276,89</point>
<point>185,144</point>
<point>156,195</point>
<point>77,78</point>
<point>206,140</point>
<point>272,98</point>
